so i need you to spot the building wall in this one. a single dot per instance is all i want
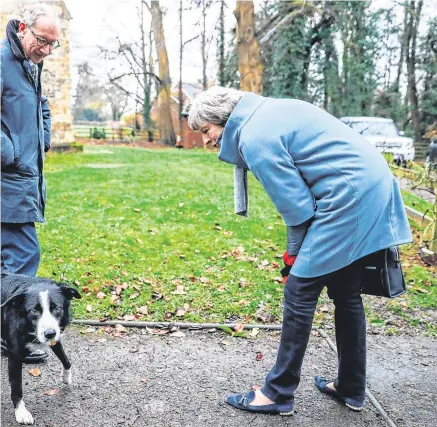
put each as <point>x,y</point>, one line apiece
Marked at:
<point>56,77</point>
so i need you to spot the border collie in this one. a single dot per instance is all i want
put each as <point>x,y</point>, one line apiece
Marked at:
<point>34,313</point>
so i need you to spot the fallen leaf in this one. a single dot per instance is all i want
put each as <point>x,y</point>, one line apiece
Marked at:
<point>114,298</point>
<point>324,308</point>
<point>51,392</point>
<point>254,332</point>
<point>137,210</point>
<point>143,310</point>
<point>118,289</point>
<point>89,308</point>
<point>180,312</point>
<point>157,331</point>
<point>120,328</point>
<point>181,204</point>
<point>134,295</point>
<point>129,317</point>
<point>221,288</point>
<point>35,372</point>
<point>100,295</point>
<point>124,273</point>
<point>243,302</point>
<point>238,327</point>
<point>179,290</point>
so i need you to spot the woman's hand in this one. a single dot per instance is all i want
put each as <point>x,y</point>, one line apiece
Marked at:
<point>288,261</point>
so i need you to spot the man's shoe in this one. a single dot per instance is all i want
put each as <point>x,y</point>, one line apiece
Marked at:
<point>242,401</point>
<point>37,356</point>
<point>354,404</point>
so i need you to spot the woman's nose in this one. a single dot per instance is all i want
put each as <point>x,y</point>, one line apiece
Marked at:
<point>206,139</point>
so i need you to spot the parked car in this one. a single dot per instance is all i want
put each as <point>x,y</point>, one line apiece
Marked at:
<point>384,135</point>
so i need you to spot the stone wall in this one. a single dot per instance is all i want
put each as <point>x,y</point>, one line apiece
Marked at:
<point>56,77</point>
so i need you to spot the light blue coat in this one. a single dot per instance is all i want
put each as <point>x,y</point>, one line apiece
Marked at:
<point>313,166</point>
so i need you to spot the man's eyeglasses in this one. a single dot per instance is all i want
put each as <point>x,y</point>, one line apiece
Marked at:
<point>43,42</point>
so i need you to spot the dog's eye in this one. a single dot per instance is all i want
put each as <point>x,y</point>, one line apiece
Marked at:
<point>34,311</point>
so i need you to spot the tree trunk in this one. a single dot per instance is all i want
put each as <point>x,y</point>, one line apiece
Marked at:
<point>179,141</point>
<point>221,46</point>
<point>166,131</point>
<point>411,37</point>
<point>250,64</point>
<point>203,47</point>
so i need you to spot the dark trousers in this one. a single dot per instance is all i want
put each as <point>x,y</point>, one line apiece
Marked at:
<point>20,248</point>
<point>300,299</point>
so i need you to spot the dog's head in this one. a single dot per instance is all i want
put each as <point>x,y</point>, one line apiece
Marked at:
<point>44,307</point>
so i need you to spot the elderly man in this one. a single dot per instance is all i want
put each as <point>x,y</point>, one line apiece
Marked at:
<point>25,135</point>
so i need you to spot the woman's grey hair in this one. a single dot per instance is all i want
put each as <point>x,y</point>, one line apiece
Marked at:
<point>35,11</point>
<point>214,105</point>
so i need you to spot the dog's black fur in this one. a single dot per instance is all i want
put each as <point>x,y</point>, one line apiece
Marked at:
<point>23,325</point>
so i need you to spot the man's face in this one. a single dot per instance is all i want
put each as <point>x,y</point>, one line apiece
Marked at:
<point>210,133</point>
<point>45,28</point>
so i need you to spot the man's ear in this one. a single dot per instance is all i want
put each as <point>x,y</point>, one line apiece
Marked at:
<point>69,292</point>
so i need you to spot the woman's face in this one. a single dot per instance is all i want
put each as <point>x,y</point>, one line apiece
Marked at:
<point>210,133</point>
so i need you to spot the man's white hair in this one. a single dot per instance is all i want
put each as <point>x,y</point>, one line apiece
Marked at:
<point>35,11</point>
<point>214,105</point>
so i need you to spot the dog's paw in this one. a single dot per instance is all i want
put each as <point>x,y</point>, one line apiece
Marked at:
<point>66,376</point>
<point>22,415</point>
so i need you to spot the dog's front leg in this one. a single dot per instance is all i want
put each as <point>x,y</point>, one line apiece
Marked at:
<point>58,349</point>
<point>22,415</point>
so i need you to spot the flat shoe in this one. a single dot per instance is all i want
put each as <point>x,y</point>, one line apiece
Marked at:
<point>353,404</point>
<point>242,401</point>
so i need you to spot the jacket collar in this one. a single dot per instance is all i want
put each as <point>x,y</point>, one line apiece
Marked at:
<point>15,42</point>
<point>229,148</point>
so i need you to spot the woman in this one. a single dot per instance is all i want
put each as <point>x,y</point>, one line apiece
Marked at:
<point>340,203</point>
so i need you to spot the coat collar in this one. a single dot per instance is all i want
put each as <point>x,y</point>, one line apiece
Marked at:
<point>15,42</point>
<point>229,148</point>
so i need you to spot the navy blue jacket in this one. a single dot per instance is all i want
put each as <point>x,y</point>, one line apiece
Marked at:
<point>25,134</point>
<point>317,169</point>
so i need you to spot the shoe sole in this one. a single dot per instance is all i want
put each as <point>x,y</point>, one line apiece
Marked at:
<point>286,414</point>
<point>354,408</point>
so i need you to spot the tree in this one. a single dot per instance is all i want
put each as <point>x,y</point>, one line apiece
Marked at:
<point>250,64</point>
<point>221,46</point>
<point>89,99</point>
<point>411,34</point>
<point>428,64</point>
<point>166,131</point>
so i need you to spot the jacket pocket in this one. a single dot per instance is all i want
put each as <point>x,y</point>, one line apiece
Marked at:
<point>10,149</point>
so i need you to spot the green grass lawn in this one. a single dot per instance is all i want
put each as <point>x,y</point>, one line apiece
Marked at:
<point>153,231</point>
<point>161,225</point>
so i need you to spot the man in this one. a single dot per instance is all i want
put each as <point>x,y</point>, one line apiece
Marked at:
<point>431,155</point>
<point>25,135</point>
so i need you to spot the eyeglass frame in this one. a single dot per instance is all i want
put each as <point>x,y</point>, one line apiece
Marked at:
<point>53,45</point>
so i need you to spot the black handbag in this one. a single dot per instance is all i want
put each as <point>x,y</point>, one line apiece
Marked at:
<point>382,274</point>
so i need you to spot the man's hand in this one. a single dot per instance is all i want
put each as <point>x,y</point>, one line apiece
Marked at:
<point>288,261</point>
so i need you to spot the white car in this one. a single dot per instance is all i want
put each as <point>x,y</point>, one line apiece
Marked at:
<point>384,135</point>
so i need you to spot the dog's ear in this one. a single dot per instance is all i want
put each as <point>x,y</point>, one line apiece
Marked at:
<point>69,292</point>
<point>15,301</point>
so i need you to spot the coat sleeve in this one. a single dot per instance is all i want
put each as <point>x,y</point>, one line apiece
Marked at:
<point>7,147</point>
<point>274,168</point>
<point>47,122</point>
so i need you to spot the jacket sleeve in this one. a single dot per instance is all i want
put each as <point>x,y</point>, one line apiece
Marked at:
<point>7,147</point>
<point>47,123</point>
<point>295,237</point>
<point>274,168</point>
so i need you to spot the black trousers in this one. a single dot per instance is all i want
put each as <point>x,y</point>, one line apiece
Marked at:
<point>300,299</point>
